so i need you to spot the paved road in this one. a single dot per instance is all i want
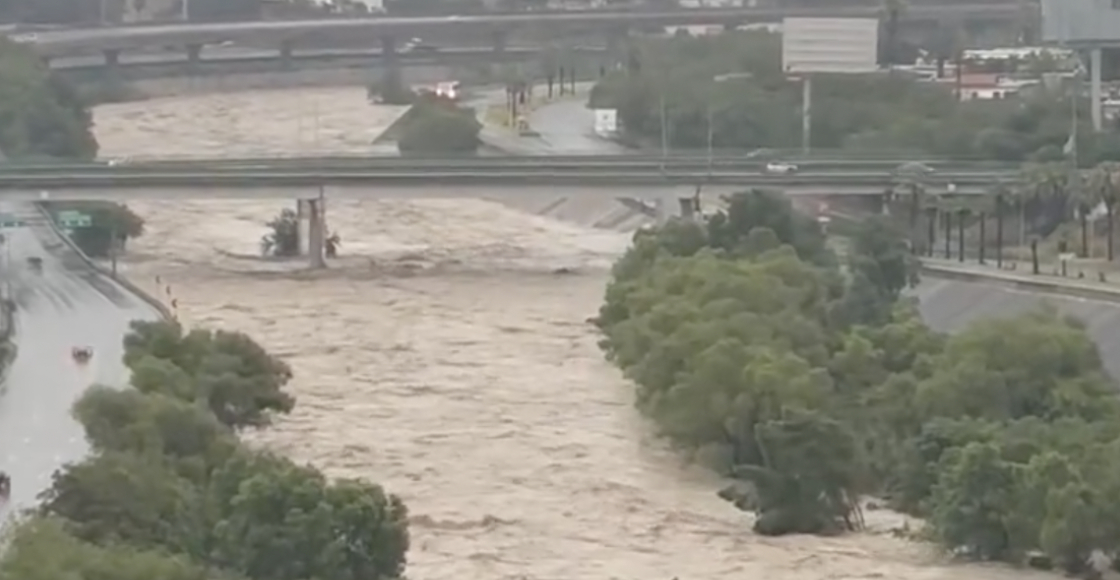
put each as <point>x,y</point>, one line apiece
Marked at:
<point>952,305</point>
<point>63,306</point>
<point>566,127</point>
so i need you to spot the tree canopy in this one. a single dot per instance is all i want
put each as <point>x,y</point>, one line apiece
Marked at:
<point>736,78</point>
<point>169,492</point>
<point>799,368</point>
<point>438,125</point>
<point>40,115</point>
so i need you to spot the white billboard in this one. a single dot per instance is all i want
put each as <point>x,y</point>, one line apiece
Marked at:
<point>830,45</point>
<point>606,121</point>
<point>1080,21</point>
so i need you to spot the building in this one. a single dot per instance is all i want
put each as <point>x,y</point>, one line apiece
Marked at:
<point>985,86</point>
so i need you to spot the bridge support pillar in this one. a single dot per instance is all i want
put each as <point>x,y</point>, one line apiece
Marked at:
<point>286,55</point>
<point>1095,64</point>
<point>392,64</point>
<point>666,207</point>
<point>499,38</point>
<point>112,59</point>
<point>303,221</point>
<point>194,57</point>
<point>316,231</point>
<point>689,211</point>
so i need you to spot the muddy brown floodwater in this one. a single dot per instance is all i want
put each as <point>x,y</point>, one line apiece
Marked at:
<point>447,356</point>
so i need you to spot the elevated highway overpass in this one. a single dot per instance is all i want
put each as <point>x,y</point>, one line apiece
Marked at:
<point>637,176</point>
<point>159,65</point>
<point>613,25</point>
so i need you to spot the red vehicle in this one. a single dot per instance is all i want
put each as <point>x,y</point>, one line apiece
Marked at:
<point>82,354</point>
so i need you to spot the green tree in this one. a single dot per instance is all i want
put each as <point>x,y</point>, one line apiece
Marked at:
<point>437,126</point>
<point>286,522</point>
<point>40,115</point>
<point>240,382</point>
<point>42,549</point>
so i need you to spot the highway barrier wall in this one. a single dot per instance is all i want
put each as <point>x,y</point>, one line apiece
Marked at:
<point>1027,282</point>
<point>152,301</point>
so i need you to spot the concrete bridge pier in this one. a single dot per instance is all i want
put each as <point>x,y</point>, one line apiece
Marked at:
<point>303,214</point>
<point>286,55</point>
<point>389,57</point>
<point>498,40</point>
<point>112,60</point>
<point>194,57</point>
<point>312,220</point>
<point>313,230</point>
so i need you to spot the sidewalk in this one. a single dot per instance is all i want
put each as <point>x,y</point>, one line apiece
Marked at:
<point>561,125</point>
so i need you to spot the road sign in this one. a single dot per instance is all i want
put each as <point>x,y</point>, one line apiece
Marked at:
<point>72,219</point>
<point>8,221</point>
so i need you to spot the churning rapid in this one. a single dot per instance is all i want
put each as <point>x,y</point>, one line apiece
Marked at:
<point>447,356</point>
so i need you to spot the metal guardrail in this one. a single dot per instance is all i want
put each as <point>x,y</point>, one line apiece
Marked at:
<point>419,176</point>
<point>537,162</point>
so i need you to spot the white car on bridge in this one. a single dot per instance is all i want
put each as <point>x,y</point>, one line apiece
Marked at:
<point>780,168</point>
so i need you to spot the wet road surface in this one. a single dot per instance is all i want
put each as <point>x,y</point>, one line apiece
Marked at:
<point>62,306</point>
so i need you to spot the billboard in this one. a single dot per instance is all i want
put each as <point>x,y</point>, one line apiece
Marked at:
<point>830,45</point>
<point>606,121</point>
<point>1081,21</point>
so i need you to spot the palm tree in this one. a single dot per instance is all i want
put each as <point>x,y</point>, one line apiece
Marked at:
<point>911,177</point>
<point>999,195</point>
<point>549,61</point>
<point>1083,200</point>
<point>1104,187</point>
<point>1044,193</point>
<point>962,211</point>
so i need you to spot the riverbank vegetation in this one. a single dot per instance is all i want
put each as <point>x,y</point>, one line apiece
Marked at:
<point>735,81</point>
<point>436,125</point>
<point>807,376</point>
<point>169,492</point>
<point>41,116</point>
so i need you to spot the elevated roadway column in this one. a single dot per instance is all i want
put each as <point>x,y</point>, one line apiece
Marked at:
<point>303,219</point>
<point>1095,63</point>
<point>112,60</point>
<point>317,232</point>
<point>389,57</point>
<point>286,55</point>
<point>498,39</point>
<point>194,57</point>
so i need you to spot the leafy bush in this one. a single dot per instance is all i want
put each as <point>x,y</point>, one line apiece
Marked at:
<point>438,126</point>
<point>40,114</point>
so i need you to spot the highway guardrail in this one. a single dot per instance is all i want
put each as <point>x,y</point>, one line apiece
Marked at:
<point>527,176</point>
<point>619,162</point>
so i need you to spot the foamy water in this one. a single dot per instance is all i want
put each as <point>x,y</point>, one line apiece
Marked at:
<point>447,356</point>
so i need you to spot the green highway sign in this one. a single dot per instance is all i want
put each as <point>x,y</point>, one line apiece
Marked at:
<point>72,219</point>
<point>8,221</point>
